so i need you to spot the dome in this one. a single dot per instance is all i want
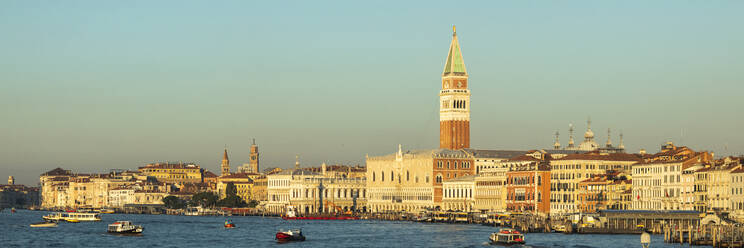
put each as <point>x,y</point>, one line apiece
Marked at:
<point>589,134</point>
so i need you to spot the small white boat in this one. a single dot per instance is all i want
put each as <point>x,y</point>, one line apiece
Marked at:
<point>125,227</point>
<point>507,236</point>
<point>44,224</point>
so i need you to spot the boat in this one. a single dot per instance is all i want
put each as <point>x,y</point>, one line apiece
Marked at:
<point>44,224</point>
<point>124,227</point>
<point>289,235</point>
<point>229,224</point>
<point>106,211</point>
<point>73,217</point>
<point>507,236</point>
<point>12,210</point>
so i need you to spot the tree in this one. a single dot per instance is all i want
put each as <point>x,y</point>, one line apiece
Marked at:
<point>173,202</point>
<point>252,204</point>
<point>230,189</point>
<point>204,199</point>
<point>232,201</point>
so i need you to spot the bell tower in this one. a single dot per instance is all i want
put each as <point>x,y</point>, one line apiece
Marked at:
<point>454,100</point>
<point>225,164</point>
<point>254,157</point>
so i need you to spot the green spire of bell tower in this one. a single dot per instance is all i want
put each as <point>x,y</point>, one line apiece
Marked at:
<point>455,64</point>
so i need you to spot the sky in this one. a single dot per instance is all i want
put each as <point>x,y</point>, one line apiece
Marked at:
<point>97,85</point>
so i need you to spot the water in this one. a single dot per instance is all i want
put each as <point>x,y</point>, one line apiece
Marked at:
<point>207,231</point>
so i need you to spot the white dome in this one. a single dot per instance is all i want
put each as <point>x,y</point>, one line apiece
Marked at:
<point>589,134</point>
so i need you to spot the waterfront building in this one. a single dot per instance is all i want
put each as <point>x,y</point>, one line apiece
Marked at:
<point>490,190</point>
<point>141,192</point>
<point>568,171</point>
<point>458,194</point>
<point>225,166</point>
<point>174,172</point>
<point>243,183</point>
<point>54,185</point>
<point>737,194</point>
<point>528,188</point>
<point>280,185</point>
<point>657,182</point>
<point>713,185</point>
<point>601,192</point>
<point>620,195</point>
<point>412,180</point>
<point>18,196</point>
<point>489,159</point>
<point>210,179</point>
<point>687,194</point>
<point>259,191</point>
<point>328,194</point>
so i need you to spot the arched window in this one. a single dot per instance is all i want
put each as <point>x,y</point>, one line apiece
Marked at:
<point>455,165</point>
<point>427,178</point>
<point>382,176</point>
<point>373,176</point>
<point>438,178</point>
<point>408,176</point>
<point>392,176</point>
<point>448,165</point>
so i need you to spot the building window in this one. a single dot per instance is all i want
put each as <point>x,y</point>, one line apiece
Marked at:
<point>448,165</point>
<point>427,179</point>
<point>373,176</point>
<point>438,178</point>
<point>439,164</point>
<point>455,165</point>
<point>392,176</point>
<point>408,176</point>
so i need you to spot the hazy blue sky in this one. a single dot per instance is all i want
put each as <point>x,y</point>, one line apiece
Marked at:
<point>93,85</point>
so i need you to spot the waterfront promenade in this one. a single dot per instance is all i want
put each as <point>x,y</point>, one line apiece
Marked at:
<point>252,231</point>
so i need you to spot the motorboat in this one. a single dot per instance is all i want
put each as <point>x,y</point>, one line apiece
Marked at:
<point>289,235</point>
<point>124,227</point>
<point>73,217</point>
<point>44,224</point>
<point>507,236</point>
<point>106,211</point>
<point>229,224</point>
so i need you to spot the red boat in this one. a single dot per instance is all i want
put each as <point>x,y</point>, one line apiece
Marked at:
<point>229,224</point>
<point>289,235</point>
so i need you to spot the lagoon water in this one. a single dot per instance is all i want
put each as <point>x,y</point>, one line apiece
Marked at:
<point>207,231</point>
